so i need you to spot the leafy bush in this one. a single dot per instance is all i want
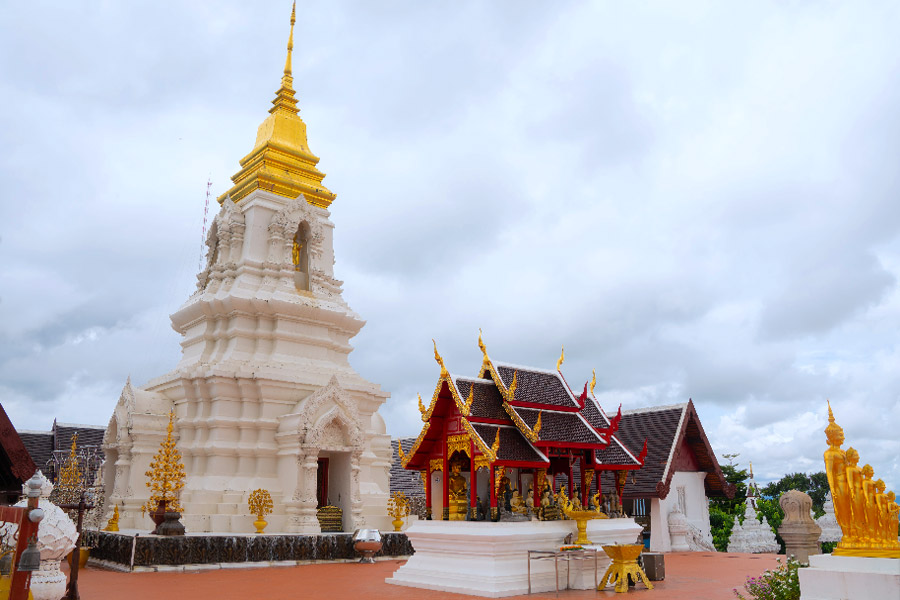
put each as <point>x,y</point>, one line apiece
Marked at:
<point>778,584</point>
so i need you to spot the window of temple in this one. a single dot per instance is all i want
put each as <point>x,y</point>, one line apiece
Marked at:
<point>300,256</point>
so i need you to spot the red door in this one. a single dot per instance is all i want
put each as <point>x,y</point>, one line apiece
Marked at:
<point>322,483</point>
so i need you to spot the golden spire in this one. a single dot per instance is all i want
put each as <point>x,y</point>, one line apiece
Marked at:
<point>422,409</point>
<point>593,380</point>
<point>562,357</point>
<point>537,424</point>
<point>284,97</point>
<point>470,399</point>
<point>511,393</point>
<point>281,161</point>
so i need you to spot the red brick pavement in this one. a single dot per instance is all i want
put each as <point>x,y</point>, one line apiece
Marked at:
<point>689,576</point>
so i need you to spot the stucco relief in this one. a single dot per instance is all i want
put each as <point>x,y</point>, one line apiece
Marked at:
<point>224,243</point>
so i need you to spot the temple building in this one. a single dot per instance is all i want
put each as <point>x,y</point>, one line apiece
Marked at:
<point>510,436</point>
<point>670,495</point>
<point>264,395</point>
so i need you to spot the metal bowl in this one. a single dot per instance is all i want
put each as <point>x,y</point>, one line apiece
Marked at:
<point>367,542</point>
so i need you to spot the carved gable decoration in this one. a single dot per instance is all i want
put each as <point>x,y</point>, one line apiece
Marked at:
<point>330,406</point>
<point>285,223</point>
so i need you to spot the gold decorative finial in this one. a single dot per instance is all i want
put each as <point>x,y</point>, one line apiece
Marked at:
<point>400,452</point>
<point>562,357</point>
<point>287,63</point>
<point>422,409</point>
<point>470,399</point>
<point>438,358</point>
<point>496,445</point>
<point>511,393</point>
<point>482,347</point>
<point>537,424</point>
<point>284,98</point>
<point>593,380</point>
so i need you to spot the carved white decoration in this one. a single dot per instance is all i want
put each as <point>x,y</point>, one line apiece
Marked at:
<point>56,538</point>
<point>754,536</point>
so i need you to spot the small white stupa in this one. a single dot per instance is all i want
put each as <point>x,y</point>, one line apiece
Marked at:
<point>831,531</point>
<point>753,536</point>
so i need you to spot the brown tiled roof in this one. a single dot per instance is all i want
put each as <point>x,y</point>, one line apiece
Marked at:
<point>536,386</point>
<point>664,428</point>
<point>487,403</point>
<point>513,446</point>
<point>39,445</point>
<point>560,426</point>
<point>404,480</point>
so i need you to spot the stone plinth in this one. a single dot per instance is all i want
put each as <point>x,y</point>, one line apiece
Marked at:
<point>850,578</point>
<point>798,530</point>
<point>490,559</point>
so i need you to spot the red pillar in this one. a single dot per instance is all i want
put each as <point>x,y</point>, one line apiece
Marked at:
<point>445,479</point>
<point>473,481</point>
<point>428,492</point>
<point>493,493</point>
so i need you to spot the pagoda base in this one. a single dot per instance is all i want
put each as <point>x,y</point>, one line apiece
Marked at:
<point>490,559</point>
<point>832,577</point>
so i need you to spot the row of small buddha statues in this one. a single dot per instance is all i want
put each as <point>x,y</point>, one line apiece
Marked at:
<point>513,505</point>
<point>868,516</point>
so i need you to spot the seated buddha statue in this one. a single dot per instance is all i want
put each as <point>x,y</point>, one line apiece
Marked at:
<point>458,500</point>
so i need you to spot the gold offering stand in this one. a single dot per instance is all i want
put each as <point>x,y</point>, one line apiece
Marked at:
<point>575,512</point>
<point>624,565</point>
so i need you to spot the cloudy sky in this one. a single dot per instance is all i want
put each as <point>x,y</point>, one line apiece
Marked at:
<point>700,200</point>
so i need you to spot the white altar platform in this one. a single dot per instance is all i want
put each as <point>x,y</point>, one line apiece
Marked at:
<point>491,559</point>
<point>850,578</point>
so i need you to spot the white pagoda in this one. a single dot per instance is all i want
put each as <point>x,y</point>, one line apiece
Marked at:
<point>264,394</point>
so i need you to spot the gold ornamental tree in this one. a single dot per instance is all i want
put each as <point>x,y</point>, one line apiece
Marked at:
<point>166,474</point>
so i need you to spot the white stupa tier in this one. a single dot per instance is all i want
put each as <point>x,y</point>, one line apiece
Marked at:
<point>264,394</point>
<point>754,536</point>
<point>831,531</point>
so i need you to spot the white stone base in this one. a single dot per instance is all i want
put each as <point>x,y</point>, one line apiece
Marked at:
<point>491,560</point>
<point>850,578</point>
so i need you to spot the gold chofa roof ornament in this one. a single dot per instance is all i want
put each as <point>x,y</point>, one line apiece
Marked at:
<point>281,161</point>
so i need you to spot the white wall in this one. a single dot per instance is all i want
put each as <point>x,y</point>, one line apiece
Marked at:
<point>696,508</point>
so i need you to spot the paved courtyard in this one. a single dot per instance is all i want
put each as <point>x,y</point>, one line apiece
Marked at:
<point>689,576</point>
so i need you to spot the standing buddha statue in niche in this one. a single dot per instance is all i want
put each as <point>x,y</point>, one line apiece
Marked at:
<point>458,492</point>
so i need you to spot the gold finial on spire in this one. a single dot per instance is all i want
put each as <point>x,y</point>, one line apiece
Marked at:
<point>593,380</point>
<point>439,360</point>
<point>400,452</point>
<point>496,445</point>
<point>537,425</point>
<point>511,393</point>
<point>562,357</point>
<point>482,347</point>
<point>284,98</point>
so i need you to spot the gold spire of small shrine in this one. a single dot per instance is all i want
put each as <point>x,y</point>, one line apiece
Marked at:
<point>562,357</point>
<point>281,161</point>
<point>593,380</point>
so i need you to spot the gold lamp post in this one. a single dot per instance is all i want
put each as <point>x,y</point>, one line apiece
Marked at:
<point>260,503</point>
<point>398,507</point>
<point>579,515</point>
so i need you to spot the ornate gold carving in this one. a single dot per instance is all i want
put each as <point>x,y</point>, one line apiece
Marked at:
<point>497,477</point>
<point>495,447</point>
<point>573,510</point>
<point>868,517</point>
<point>593,380</point>
<point>483,349</point>
<point>537,425</point>
<point>523,427</point>
<point>511,392</point>
<point>482,462</point>
<point>458,443</point>
<point>439,360</point>
<point>422,409</point>
<point>400,451</point>
<point>470,400</point>
<point>624,567</point>
<point>482,447</point>
<point>588,478</point>
<point>562,357</point>
<point>424,475</point>
<point>436,464</point>
<point>415,446</point>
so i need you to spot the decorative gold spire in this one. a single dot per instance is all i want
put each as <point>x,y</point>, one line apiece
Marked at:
<point>482,347</point>
<point>511,393</point>
<point>281,161</point>
<point>562,357</point>
<point>470,399</point>
<point>422,409</point>
<point>439,360</point>
<point>593,380</point>
<point>537,424</point>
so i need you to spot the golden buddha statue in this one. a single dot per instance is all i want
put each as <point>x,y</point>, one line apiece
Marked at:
<point>866,514</point>
<point>458,493</point>
<point>836,471</point>
<point>857,499</point>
